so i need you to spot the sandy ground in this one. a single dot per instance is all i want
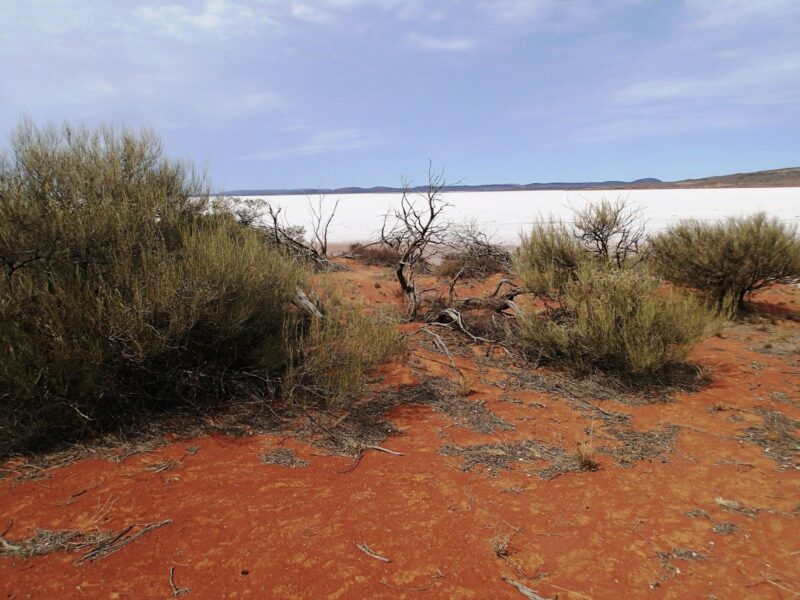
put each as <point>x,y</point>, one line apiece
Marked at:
<point>693,498</point>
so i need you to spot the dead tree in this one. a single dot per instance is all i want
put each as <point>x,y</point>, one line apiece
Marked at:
<point>320,224</point>
<point>413,229</point>
<point>291,239</point>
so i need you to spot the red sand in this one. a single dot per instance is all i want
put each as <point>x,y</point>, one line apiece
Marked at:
<point>243,529</point>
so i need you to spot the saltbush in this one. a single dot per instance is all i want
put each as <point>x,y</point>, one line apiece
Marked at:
<point>616,320</point>
<point>602,309</point>
<point>726,262</point>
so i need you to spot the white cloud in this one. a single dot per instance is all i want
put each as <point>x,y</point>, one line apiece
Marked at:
<point>212,16</point>
<point>727,13</point>
<point>452,44</point>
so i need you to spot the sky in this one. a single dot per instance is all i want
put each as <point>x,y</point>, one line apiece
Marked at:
<point>333,93</point>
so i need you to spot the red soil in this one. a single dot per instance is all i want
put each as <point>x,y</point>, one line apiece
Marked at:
<point>244,529</point>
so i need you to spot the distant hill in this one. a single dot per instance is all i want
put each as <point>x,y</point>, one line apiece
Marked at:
<point>774,178</point>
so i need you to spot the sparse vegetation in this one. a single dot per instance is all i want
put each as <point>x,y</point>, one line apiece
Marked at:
<point>726,262</point>
<point>474,255</point>
<point>124,290</point>
<point>379,255</point>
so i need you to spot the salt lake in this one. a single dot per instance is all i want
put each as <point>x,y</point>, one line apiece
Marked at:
<point>505,214</point>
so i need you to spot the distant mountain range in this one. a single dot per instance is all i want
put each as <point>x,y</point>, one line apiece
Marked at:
<point>774,178</point>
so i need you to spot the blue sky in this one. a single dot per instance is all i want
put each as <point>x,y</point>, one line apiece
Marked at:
<point>284,93</point>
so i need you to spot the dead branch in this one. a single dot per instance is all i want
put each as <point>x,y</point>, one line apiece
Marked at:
<point>450,317</point>
<point>119,541</point>
<point>406,589</point>
<point>291,240</point>
<point>302,302</point>
<point>525,591</point>
<point>369,552</point>
<point>176,591</point>
<point>320,224</point>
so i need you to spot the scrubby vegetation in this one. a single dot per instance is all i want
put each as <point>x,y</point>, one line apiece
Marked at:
<point>473,255</point>
<point>125,291</point>
<point>725,262</point>
<point>600,311</point>
<point>378,255</point>
<point>618,321</point>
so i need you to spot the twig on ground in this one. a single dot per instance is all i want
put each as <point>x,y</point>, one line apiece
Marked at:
<point>369,552</point>
<point>525,591</point>
<point>176,591</point>
<point>406,589</point>
<point>382,449</point>
<point>119,541</point>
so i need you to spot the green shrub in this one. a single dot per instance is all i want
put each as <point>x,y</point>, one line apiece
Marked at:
<point>330,358</point>
<point>725,262</point>
<point>122,290</point>
<point>615,320</point>
<point>548,259</point>
<point>605,234</point>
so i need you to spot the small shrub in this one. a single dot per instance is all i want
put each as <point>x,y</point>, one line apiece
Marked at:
<point>612,231</point>
<point>725,262</point>
<point>330,358</point>
<point>474,263</point>
<point>548,259</point>
<point>379,255</point>
<point>615,320</point>
<point>586,456</point>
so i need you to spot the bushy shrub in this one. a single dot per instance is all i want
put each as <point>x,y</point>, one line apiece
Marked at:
<point>329,358</point>
<point>549,258</point>
<point>602,310</point>
<point>380,255</point>
<point>122,290</point>
<point>725,262</point>
<point>616,320</point>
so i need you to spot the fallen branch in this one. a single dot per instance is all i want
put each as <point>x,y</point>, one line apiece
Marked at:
<point>406,589</point>
<point>176,591</point>
<point>525,591</point>
<point>382,449</point>
<point>119,541</point>
<point>451,317</point>
<point>369,552</point>
<point>302,302</point>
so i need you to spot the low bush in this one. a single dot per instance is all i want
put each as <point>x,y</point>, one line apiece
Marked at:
<point>123,291</point>
<point>330,358</point>
<point>726,262</point>
<point>615,320</point>
<point>379,255</point>
<point>549,258</point>
<point>474,254</point>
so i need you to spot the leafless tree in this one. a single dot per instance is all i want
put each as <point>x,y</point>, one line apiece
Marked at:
<point>291,238</point>
<point>613,231</point>
<point>320,223</point>
<point>413,229</point>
